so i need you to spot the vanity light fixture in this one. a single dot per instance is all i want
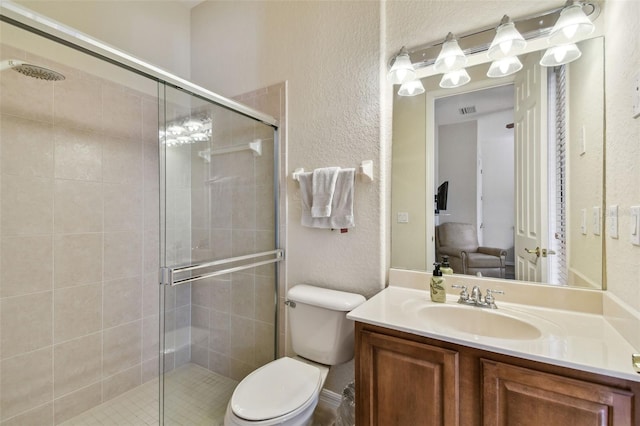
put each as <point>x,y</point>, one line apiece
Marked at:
<point>504,67</point>
<point>571,25</point>
<point>402,70</point>
<point>507,42</point>
<point>451,57</point>
<point>561,27</point>
<point>454,79</point>
<point>411,88</point>
<point>560,55</point>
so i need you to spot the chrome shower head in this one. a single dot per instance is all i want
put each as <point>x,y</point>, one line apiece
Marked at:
<point>38,72</point>
<point>30,70</point>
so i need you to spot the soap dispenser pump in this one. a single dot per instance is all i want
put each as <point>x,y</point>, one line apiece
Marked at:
<point>438,293</point>
<point>446,268</point>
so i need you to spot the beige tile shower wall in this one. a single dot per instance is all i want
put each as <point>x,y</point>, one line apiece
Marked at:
<point>233,316</point>
<point>79,243</point>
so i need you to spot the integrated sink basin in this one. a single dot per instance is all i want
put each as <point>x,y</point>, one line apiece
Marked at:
<point>478,321</point>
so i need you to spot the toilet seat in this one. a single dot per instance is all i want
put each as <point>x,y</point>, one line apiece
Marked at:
<point>283,387</point>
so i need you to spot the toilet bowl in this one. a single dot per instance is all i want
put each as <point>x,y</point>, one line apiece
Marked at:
<point>286,391</point>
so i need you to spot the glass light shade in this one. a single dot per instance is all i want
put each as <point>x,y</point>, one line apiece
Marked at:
<point>507,42</point>
<point>199,137</point>
<point>560,55</point>
<point>411,88</point>
<point>451,57</point>
<point>193,125</point>
<point>402,69</point>
<point>175,129</point>
<point>455,79</point>
<point>504,67</point>
<point>572,24</point>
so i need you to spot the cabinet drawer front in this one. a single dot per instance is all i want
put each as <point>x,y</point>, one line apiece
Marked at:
<point>408,383</point>
<point>520,396</point>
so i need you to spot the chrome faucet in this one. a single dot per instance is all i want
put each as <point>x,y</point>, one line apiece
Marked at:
<point>476,297</point>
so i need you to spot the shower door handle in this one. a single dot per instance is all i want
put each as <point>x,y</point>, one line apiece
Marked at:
<point>168,275</point>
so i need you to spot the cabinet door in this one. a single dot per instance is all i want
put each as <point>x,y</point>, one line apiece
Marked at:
<point>519,396</point>
<point>401,382</point>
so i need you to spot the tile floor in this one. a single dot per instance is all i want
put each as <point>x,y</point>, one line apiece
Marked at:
<point>194,396</point>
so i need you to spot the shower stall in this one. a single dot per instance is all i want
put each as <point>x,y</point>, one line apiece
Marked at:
<point>139,240</point>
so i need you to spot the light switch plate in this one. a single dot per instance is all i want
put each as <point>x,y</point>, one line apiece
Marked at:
<point>403,217</point>
<point>635,225</point>
<point>583,221</point>
<point>596,220</point>
<point>612,220</point>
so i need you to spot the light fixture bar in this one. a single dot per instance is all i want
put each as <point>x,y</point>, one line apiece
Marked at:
<point>531,27</point>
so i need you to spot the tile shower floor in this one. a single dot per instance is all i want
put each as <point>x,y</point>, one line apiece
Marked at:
<point>193,396</point>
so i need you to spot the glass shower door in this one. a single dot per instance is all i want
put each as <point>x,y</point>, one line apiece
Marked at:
<point>219,254</point>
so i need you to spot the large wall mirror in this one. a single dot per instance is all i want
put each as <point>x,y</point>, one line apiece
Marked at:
<point>517,165</point>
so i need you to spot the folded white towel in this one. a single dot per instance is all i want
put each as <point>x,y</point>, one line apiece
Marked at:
<point>323,184</point>
<point>306,195</point>
<point>342,205</point>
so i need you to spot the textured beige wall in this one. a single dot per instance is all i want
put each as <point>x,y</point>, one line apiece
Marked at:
<point>156,32</point>
<point>328,53</point>
<point>622,59</point>
<point>586,98</point>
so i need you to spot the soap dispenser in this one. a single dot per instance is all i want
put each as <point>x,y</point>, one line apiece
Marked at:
<point>445,267</point>
<point>438,293</point>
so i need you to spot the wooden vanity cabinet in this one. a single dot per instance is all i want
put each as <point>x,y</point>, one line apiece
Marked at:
<point>405,379</point>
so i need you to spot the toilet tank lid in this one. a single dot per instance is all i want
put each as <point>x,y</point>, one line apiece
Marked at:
<point>325,298</point>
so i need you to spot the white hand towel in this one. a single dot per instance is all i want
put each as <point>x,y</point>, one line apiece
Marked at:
<point>342,205</point>
<point>306,196</point>
<point>323,184</point>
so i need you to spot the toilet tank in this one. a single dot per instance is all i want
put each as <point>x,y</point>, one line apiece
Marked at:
<point>320,330</point>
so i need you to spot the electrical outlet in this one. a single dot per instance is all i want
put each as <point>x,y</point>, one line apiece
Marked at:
<point>612,220</point>
<point>596,220</point>
<point>403,217</point>
<point>635,225</point>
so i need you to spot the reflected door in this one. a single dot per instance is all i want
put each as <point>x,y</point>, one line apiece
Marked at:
<point>531,171</point>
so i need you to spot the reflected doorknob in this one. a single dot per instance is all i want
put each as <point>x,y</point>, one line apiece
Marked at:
<point>535,251</point>
<point>540,252</point>
<point>546,252</point>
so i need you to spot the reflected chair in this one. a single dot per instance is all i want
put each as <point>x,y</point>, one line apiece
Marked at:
<point>459,241</point>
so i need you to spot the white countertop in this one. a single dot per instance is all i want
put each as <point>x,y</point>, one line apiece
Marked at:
<point>570,339</point>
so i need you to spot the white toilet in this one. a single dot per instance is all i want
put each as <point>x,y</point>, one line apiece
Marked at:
<point>285,391</point>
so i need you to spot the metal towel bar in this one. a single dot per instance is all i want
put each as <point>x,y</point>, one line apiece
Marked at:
<point>168,274</point>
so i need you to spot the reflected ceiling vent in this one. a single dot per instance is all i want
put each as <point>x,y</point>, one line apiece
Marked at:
<point>467,110</point>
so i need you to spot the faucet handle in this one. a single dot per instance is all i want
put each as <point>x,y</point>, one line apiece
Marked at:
<point>490,300</point>
<point>464,294</point>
